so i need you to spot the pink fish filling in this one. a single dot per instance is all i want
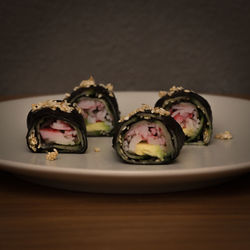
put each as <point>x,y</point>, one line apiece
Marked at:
<point>186,115</point>
<point>150,133</point>
<point>59,132</point>
<point>94,110</point>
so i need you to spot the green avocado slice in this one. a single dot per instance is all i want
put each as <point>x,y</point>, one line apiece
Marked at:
<point>153,150</point>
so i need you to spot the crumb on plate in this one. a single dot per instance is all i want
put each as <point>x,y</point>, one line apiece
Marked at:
<point>224,136</point>
<point>96,149</point>
<point>51,156</point>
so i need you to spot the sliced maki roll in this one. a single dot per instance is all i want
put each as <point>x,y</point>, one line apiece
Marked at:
<point>191,111</point>
<point>56,125</point>
<point>148,136</point>
<point>98,105</point>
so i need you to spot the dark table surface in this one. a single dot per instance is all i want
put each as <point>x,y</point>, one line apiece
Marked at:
<point>39,217</point>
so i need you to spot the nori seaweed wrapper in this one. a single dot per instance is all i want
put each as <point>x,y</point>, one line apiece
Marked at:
<point>47,113</point>
<point>178,95</point>
<point>88,89</point>
<point>174,136</point>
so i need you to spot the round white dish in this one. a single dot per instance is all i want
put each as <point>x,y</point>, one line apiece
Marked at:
<point>196,166</point>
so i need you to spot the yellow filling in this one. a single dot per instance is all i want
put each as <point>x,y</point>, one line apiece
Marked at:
<point>189,132</point>
<point>98,126</point>
<point>150,149</point>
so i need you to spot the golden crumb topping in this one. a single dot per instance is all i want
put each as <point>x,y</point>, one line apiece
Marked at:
<point>172,90</point>
<point>66,95</point>
<point>32,140</point>
<point>88,83</point>
<point>91,82</point>
<point>107,86</point>
<point>162,93</point>
<point>79,110</point>
<point>51,156</point>
<point>62,105</point>
<point>143,108</point>
<point>224,135</point>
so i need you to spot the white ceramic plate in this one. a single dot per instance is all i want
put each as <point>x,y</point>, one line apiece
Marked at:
<point>196,166</point>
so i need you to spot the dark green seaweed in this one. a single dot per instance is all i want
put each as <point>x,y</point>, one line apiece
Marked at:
<point>176,136</point>
<point>95,91</point>
<point>74,119</point>
<point>205,113</point>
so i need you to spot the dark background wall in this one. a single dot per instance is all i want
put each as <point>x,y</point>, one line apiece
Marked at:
<point>50,46</point>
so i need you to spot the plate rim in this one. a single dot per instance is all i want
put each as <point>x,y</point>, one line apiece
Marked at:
<point>244,166</point>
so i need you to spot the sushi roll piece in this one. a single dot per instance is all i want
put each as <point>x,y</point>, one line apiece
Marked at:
<point>98,105</point>
<point>191,111</point>
<point>56,125</point>
<point>148,136</point>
